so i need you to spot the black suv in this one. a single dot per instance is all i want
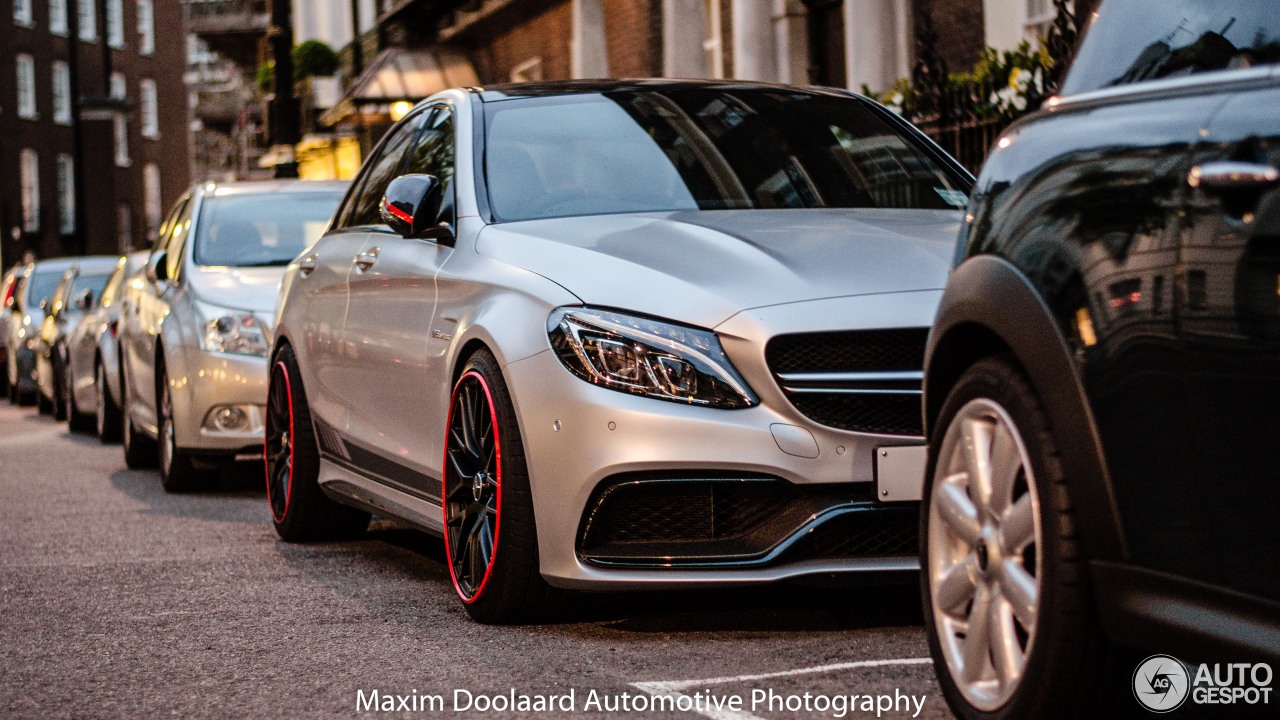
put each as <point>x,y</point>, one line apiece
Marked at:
<point>1102,391</point>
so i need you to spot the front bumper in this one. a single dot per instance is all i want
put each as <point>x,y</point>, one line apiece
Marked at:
<point>210,380</point>
<point>579,438</point>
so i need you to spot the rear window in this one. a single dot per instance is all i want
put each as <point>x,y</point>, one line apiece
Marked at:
<point>1132,41</point>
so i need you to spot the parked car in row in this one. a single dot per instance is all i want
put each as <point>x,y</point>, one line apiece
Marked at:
<point>34,285</point>
<point>194,331</point>
<point>93,357</point>
<point>1103,378</point>
<point>80,285</point>
<point>620,334</point>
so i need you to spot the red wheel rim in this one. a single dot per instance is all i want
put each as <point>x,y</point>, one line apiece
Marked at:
<point>472,486</point>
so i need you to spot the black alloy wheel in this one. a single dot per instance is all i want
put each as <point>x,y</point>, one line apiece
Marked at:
<point>278,449</point>
<point>473,486</point>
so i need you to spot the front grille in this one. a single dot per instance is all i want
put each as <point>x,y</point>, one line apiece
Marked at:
<point>878,534</point>
<point>663,511</point>
<point>749,522</point>
<point>859,380</point>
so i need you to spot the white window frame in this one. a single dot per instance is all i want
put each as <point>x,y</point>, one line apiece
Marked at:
<point>23,14</point>
<point>25,69</point>
<point>61,92</point>
<point>58,17</point>
<point>149,108</point>
<point>29,172</point>
<point>154,203</point>
<point>146,27</point>
<point>528,71</point>
<point>66,174</point>
<point>88,17</point>
<point>120,121</point>
<point>115,24</point>
<point>713,38</point>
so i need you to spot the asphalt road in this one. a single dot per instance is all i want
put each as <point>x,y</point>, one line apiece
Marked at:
<point>120,601</point>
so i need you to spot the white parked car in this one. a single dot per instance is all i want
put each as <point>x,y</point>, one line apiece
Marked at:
<point>631,334</point>
<point>194,331</point>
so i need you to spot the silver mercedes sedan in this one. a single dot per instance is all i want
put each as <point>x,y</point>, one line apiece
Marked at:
<point>623,334</point>
<point>194,324</point>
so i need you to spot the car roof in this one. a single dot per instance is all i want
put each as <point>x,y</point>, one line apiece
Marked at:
<point>493,93</point>
<point>98,263</point>
<point>265,187</point>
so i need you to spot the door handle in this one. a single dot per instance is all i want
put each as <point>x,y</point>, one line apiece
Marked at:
<point>307,265</point>
<point>1229,175</point>
<point>366,259</point>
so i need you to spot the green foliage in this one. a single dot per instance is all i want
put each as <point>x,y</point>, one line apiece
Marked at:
<point>310,59</point>
<point>314,59</point>
<point>1007,84</point>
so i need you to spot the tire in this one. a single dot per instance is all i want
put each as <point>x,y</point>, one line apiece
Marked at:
<point>177,471</point>
<point>491,539</point>
<point>44,405</point>
<point>139,450</point>
<point>61,403</point>
<point>1014,558</point>
<point>300,511</point>
<point>106,412</point>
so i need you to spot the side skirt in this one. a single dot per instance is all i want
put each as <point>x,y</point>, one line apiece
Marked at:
<point>347,484</point>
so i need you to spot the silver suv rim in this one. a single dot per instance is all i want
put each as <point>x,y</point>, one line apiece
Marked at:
<point>166,429</point>
<point>984,541</point>
<point>99,399</point>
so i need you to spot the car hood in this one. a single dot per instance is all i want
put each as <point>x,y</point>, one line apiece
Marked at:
<point>253,289</point>
<point>703,267</point>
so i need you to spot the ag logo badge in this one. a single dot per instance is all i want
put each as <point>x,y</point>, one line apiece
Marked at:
<point>1161,683</point>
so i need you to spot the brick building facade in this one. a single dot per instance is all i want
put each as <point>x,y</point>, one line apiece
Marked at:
<point>94,121</point>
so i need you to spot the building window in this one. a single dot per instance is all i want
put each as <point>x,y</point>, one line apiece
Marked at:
<point>88,19</point>
<point>151,194</point>
<point>30,172</point>
<point>115,23</point>
<point>66,195</point>
<point>61,92</point>
<point>26,67</point>
<point>1039,16</point>
<point>22,13</point>
<point>120,122</point>
<point>146,27</point>
<point>149,109</point>
<point>712,39</point>
<point>57,17</point>
<point>124,228</point>
<point>528,71</point>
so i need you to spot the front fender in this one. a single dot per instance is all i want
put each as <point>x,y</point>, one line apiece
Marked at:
<point>990,307</point>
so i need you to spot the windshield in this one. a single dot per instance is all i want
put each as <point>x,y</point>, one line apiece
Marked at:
<point>1131,41</point>
<point>254,230</point>
<point>95,283</point>
<point>704,149</point>
<point>41,286</point>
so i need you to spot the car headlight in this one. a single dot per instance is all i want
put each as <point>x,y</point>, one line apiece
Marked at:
<point>647,357</point>
<point>235,332</point>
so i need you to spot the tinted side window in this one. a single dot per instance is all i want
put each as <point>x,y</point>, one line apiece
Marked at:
<point>113,286</point>
<point>433,155</point>
<point>162,238</point>
<point>178,232</point>
<point>379,175</point>
<point>1133,41</point>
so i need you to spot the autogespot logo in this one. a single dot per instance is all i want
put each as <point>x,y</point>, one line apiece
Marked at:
<point>1161,683</point>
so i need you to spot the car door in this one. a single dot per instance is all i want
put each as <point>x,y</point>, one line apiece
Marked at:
<point>82,346</point>
<point>147,308</point>
<point>1230,335</point>
<point>331,363</point>
<point>392,292</point>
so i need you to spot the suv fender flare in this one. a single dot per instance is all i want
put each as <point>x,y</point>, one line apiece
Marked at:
<point>991,307</point>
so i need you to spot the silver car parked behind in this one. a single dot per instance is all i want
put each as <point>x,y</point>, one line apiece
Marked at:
<point>194,335</point>
<point>93,358</point>
<point>23,316</point>
<point>629,334</point>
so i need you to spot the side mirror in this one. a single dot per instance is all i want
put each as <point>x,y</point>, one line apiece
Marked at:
<point>85,300</point>
<point>411,207</point>
<point>157,267</point>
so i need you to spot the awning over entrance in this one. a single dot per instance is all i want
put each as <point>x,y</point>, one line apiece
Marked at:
<point>401,75</point>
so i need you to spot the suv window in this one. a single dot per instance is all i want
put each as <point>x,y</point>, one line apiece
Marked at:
<point>433,155</point>
<point>378,175</point>
<point>177,241</point>
<point>1133,41</point>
